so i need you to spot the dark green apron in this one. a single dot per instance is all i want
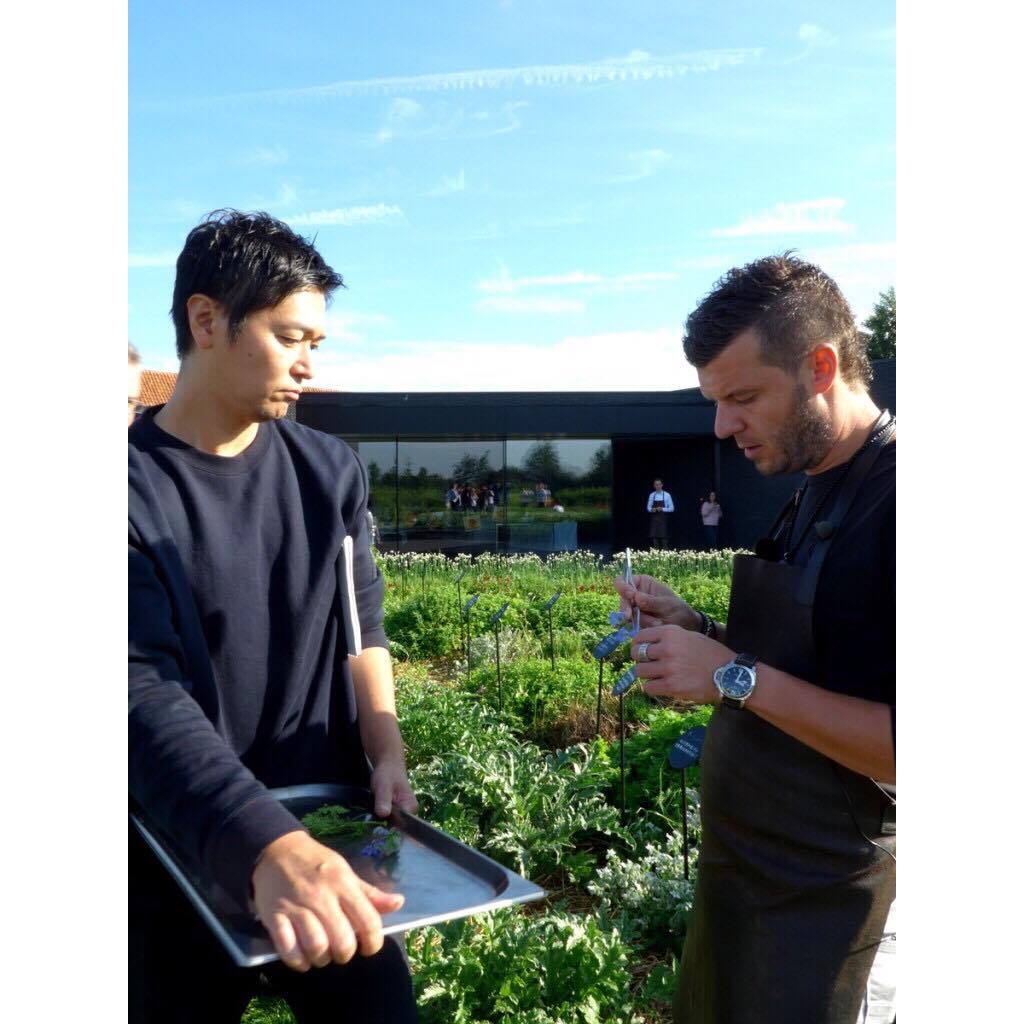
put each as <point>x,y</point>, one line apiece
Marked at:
<point>791,899</point>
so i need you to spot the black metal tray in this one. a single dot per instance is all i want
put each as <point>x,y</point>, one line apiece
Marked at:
<point>441,878</point>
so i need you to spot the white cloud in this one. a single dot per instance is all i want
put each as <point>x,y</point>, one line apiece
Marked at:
<point>815,35</point>
<point>343,325</point>
<point>348,216</point>
<point>444,120</point>
<point>857,254</point>
<point>512,304</point>
<point>637,66</point>
<point>616,361</point>
<point>644,164</point>
<point>705,262</point>
<point>503,284</point>
<point>167,258</point>
<point>403,109</point>
<point>399,113</point>
<point>812,216</point>
<point>286,195</point>
<point>862,271</point>
<point>660,275</point>
<point>266,156</point>
<point>450,184</point>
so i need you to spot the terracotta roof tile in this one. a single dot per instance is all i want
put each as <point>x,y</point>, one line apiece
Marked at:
<point>157,386</point>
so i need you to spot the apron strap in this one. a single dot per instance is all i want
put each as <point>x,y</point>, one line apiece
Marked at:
<point>859,471</point>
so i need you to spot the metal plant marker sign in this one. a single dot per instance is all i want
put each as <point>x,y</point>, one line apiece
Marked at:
<point>684,753</point>
<point>686,750</point>
<point>606,646</point>
<point>624,682</point>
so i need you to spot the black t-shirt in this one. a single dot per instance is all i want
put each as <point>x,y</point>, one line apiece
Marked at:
<point>238,678</point>
<point>855,604</point>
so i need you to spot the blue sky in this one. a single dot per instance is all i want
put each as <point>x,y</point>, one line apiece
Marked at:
<point>526,195</point>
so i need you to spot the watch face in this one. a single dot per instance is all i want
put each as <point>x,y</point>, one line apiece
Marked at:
<point>737,681</point>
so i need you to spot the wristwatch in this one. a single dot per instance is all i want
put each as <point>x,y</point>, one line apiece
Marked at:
<point>736,680</point>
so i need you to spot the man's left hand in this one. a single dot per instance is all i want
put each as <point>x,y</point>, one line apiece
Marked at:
<point>680,664</point>
<point>390,785</point>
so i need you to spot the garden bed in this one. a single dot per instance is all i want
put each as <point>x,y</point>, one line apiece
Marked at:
<point>535,785</point>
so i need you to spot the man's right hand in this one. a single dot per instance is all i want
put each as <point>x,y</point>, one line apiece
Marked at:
<point>658,604</point>
<point>315,907</point>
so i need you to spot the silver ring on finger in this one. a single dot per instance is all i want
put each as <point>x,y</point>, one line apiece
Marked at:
<point>641,651</point>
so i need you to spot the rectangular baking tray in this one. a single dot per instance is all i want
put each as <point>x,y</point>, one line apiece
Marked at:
<point>441,878</point>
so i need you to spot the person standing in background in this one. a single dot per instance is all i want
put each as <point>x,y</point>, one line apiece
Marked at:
<point>711,516</point>
<point>659,504</point>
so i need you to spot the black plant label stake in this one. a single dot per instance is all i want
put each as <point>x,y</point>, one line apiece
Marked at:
<point>495,619</point>
<point>686,828</point>
<point>684,753</point>
<point>600,690</point>
<point>466,609</point>
<point>458,591</point>
<point>622,760</point>
<point>551,629</point>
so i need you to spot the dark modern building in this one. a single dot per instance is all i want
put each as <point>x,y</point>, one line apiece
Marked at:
<point>564,470</point>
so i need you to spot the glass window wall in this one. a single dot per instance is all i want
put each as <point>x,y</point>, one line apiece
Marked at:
<point>477,495</point>
<point>559,494</point>
<point>449,495</point>
<point>379,456</point>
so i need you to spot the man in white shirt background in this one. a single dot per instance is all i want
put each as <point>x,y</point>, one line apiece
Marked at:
<point>659,505</point>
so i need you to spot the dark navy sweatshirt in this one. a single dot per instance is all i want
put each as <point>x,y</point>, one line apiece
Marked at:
<point>238,678</point>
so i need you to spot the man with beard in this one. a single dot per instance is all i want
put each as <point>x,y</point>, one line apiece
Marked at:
<point>797,864</point>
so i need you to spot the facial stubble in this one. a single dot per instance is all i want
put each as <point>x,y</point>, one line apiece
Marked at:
<point>807,436</point>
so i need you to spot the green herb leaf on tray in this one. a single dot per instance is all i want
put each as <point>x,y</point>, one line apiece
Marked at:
<point>337,821</point>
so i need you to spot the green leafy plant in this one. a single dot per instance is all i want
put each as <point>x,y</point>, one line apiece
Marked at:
<point>708,593</point>
<point>648,899</point>
<point>423,626</point>
<point>267,1010</point>
<point>513,644</point>
<point>538,698</point>
<point>540,814</point>
<point>339,822</point>
<point>437,720</point>
<point>552,968</point>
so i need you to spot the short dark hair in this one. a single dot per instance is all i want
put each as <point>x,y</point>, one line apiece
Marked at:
<point>791,304</point>
<point>246,262</point>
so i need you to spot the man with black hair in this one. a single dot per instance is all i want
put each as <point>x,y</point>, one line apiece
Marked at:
<point>245,667</point>
<point>797,864</point>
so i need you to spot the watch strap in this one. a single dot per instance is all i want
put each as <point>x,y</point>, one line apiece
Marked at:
<point>746,660</point>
